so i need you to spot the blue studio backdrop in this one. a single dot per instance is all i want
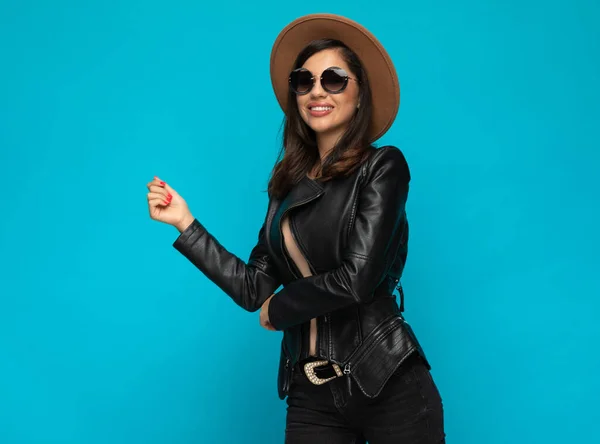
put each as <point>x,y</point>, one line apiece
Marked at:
<point>108,335</point>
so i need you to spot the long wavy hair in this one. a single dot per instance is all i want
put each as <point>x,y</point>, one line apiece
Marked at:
<point>299,153</point>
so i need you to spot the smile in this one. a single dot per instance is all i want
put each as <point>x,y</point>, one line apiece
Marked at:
<point>319,110</point>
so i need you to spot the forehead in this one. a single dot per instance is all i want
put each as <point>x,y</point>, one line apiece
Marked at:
<point>324,59</point>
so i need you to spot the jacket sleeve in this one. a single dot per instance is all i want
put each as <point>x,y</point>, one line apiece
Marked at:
<point>248,284</point>
<point>371,248</point>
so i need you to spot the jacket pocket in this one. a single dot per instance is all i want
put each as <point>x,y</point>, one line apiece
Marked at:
<point>380,355</point>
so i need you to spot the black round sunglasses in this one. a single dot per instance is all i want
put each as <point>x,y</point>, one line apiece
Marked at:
<point>334,80</point>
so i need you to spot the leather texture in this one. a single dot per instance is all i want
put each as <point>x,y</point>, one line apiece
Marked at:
<point>353,232</point>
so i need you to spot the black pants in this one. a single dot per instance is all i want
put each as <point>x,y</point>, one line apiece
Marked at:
<point>408,410</point>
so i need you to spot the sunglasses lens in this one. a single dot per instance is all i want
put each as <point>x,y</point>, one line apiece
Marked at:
<point>334,79</point>
<point>301,81</point>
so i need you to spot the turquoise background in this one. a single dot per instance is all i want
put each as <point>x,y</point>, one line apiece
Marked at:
<point>108,335</point>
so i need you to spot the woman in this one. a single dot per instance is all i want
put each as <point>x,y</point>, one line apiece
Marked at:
<point>335,236</point>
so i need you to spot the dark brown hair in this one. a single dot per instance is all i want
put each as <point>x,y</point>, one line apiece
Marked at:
<point>299,148</point>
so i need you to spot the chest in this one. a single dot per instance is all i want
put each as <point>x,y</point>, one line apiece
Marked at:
<point>319,217</point>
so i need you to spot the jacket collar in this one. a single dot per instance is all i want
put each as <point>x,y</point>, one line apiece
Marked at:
<point>303,192</point>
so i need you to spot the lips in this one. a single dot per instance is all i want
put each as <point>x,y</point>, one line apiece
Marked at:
<point>319,109</point>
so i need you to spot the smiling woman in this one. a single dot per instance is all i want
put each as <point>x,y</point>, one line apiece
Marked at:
<point>329,104</point>
<point>328,112</point>
<point>335,236</point>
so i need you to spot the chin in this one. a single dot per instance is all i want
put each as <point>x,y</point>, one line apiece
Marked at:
<point>321,130</point>
<point>320,127</point>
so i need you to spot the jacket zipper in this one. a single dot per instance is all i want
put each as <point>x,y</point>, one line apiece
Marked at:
<point>285,254</point>
<point>319,327</point>
<point>354,204</point>
<point>366,346</point>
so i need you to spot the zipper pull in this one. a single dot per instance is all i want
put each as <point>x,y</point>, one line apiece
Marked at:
<point>401,294</point>
<point>348,380</point>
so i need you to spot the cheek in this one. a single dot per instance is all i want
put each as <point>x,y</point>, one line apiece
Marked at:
<point>348,114</point>
<point>348,103</point>
<point>301,108</point>
<point>348,109</point>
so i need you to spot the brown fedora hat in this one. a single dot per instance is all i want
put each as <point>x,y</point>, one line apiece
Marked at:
<point>377,63</point>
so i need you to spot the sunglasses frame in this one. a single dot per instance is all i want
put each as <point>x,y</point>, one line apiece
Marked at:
<point>346,77</point>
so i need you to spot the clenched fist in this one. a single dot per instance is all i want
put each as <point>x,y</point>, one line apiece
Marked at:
<point>166,205</point>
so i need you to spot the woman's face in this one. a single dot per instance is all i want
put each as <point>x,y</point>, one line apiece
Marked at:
<point>326,113</point>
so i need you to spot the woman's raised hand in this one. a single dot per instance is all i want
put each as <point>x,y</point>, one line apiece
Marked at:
<point>167,206</point>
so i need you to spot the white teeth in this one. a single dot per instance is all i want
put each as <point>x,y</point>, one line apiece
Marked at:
<point>321,108</point>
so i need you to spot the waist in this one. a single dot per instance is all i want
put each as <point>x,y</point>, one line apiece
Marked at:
<point>320,371</point>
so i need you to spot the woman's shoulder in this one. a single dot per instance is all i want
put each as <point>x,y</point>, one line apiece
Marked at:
<point>388,157</point>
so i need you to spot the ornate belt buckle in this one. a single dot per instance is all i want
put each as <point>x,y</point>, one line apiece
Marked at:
<point>309,371</point>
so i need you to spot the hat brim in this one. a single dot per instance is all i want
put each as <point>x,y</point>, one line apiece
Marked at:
<point>377,63</point>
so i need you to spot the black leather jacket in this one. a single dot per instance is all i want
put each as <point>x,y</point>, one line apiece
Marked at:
<point>353,233</point>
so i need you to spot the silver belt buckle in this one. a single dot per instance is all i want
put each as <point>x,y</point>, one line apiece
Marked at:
<point>309,371</point>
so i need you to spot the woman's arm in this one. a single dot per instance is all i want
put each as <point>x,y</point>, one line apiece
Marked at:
<point>248,284</point>
<point>372,247</point>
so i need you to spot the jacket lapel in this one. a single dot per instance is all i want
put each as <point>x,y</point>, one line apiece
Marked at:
<point>305,191</point>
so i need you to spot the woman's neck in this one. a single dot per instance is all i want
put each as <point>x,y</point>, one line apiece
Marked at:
<point>326,142</point>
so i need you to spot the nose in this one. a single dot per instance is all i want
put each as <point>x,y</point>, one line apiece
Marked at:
<point>317,89</point>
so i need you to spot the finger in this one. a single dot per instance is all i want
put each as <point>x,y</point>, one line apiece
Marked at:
<point>270,327</point>
<point>155,182</point>
<point>266,324</point>
<point>168,188</point>
<point>159,196</point>
<point>160,190</point>
<point>159,182</point>
<point>158,202</point>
